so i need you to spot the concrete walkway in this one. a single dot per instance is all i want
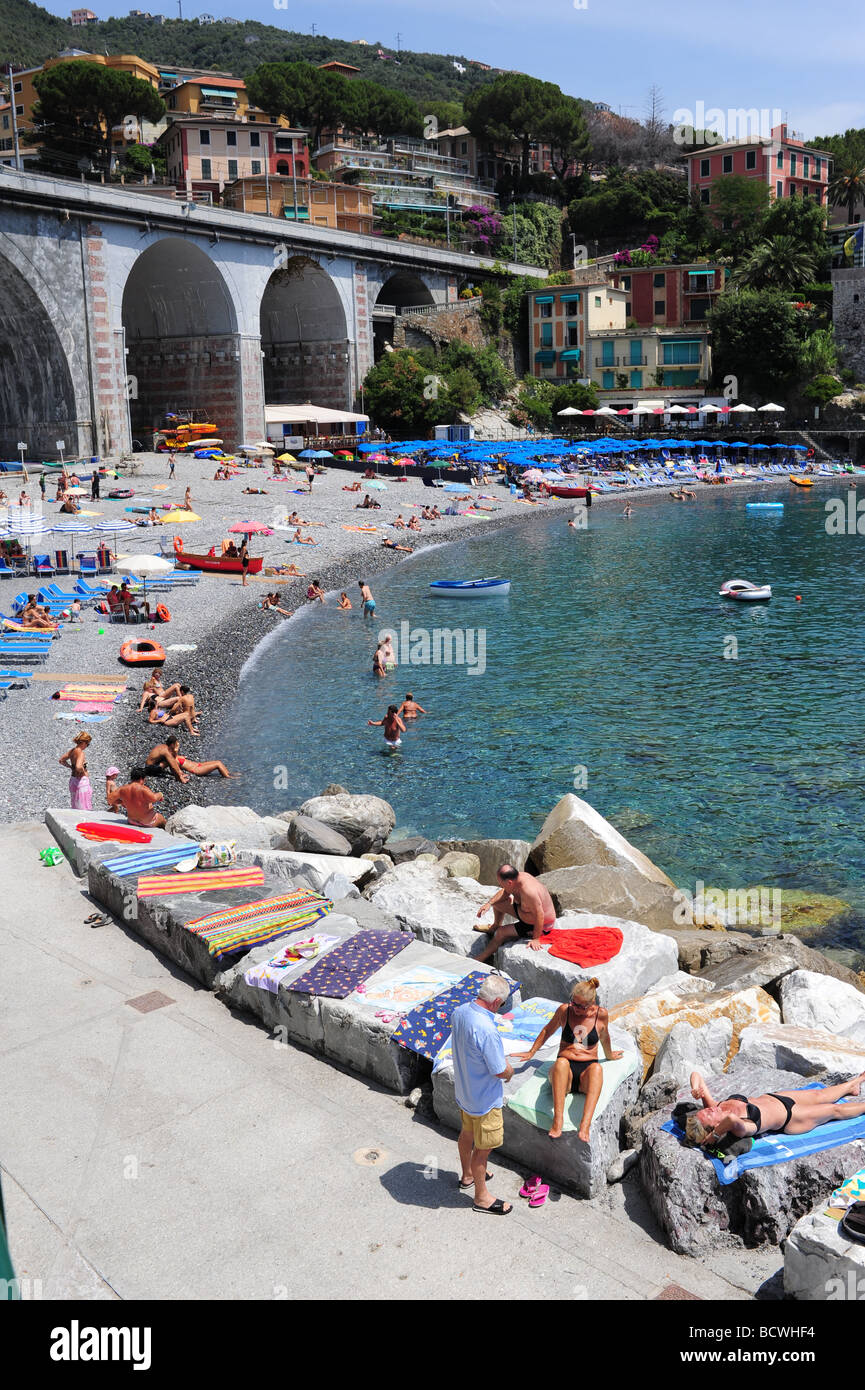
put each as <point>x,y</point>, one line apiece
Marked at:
<point>178,1151</point>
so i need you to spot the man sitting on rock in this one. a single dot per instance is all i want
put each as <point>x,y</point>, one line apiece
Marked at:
<point>522,896</point>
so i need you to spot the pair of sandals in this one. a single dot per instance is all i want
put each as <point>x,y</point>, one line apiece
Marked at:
<point>96,919</point>
<point>536,1191</point>
<point>852,1223</point>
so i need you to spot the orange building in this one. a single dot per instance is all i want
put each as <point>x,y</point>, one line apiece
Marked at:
<point>340,205</point>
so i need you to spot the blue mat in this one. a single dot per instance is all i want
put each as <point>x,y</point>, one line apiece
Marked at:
<point>145,861</point>
<point>770,1149</point>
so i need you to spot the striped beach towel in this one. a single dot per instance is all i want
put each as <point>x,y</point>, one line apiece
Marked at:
<point>240,928</point>
<point>167,885</point>
<point>144,861</point>
<point>93,707</point>
<point>91,692</point>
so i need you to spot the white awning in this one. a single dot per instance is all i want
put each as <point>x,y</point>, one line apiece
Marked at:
<point>312,414</point>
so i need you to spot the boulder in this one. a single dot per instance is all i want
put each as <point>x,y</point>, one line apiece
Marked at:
<point>645,956</point>
<point>334,789</point>
<point>491,853</point>
<point>574,833</point>
<point>435,907</point>
<point>686,1049</point>
<point>619,891</point>
<point>314,836</point>
<point>698,1214</point>
<point>461,864</point>
<point>682,983</point>
<point>820,1263</point>
<point>402,851</point>
<point>765,962</point>
<point>365,821</point>
<point>651,1018</point>
<point>805,1051</point>
<point>700,947</point>
<point>657,1092</point>
<point>809,1000</point>
<point>310,870</point>
<point>366,914</point>
<point>225,823</point>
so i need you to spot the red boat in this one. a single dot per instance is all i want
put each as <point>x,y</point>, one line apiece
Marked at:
<point>568,490</point>
<point>214,564</point>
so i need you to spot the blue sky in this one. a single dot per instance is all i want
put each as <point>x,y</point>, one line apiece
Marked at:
<point>772,54</point>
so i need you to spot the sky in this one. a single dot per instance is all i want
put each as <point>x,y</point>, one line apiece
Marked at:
<point>773,55</point>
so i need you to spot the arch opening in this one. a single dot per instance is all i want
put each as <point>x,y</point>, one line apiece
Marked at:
<point>304,338</point>
<point>400,292</point>
<point>37,395</point>
<point>183,350</point>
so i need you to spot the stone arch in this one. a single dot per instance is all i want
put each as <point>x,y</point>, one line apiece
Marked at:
<point>183,348</point>
<point>400,291</point>
<point>304,338</point>
<point>38,399</point>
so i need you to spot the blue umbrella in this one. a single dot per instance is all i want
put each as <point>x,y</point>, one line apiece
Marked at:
<point>799,448</point>
<point>308,454</point>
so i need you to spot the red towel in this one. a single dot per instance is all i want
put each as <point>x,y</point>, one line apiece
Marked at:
<point>587,945</point>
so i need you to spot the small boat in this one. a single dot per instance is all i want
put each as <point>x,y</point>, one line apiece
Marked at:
<point>569,490</point>
<point>470,588</point>
<point>801,482</point>
<point>142,654</point>
<point>764,506</point>
<point>745,591</point>
<point>214,564</point>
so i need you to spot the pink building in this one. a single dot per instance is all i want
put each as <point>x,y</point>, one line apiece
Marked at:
<point>783,162</point>
<point>669,296</point>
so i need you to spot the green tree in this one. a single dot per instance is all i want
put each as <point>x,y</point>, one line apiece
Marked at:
<point>449,114</point>
<point>485,365</point>
<point>79,106</point>
<point>380,111</point>
<point>461,396</point>
<point>142,159</point>
<point>516,109</point>
<point>822,389</point>
<point>757,337</point>
<point>820,353</point>
<point>304,94</point>
<point>738,202</point>
<point>779,262</point>
<point>400,393</point>
<point>576,396</point>
<point>847,188</point>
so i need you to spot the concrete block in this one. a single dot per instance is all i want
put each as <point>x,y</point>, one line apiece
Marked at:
<point>820,1263</point>
<point>81,853</point>
<point>644,958</point>
<point>315,869</point>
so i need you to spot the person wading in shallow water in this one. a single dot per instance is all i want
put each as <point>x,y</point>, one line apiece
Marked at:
<point>393,727</point>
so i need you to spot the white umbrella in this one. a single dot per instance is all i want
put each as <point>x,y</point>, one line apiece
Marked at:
<point>641,410</point>
<point>119,526</point>
<point>773,406</point>
<point>143,565</point>
<point>708,408</point>
<point>677,410</point>
<point>73,529</point>
<point>743,409</point>
<point>569,410</point>
<point>606,410</point>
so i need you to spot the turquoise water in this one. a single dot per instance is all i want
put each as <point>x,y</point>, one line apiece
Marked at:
<point>608,656</point>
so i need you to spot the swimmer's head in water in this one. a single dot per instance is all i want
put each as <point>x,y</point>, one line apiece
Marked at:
<point>391,709</point>
<point>408,695</point>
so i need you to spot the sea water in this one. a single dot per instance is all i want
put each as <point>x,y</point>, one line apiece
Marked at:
<point>724,739</point>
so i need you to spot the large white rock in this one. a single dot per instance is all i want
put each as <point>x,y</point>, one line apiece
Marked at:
<point>365,821</point>
<point>574,833</point>
<point>223,823</point>
<point>686,1049</point>
<point>644,958</point>
<point>436,908</point>
<point>619,891</point>
<point>681,983</point>
<point>314,869</point>
<point>821,1264</point>
<point>492,854</point>
<point>817,1001</point>
<point>803,1050</point>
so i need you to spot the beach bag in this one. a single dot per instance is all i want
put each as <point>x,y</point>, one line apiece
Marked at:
<point>213,855</point>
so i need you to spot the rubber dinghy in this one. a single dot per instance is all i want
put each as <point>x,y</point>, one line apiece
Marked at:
<point>764,506</point>
<point>745,591</point>
<point>470,588</point>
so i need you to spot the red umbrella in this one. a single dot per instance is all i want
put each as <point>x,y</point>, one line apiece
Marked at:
<point>251,528</point>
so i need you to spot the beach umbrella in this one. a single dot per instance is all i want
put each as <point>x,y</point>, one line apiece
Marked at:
<point>606,410</point>
<point>742,409</point>
<point>799,448</point>
<point>379,487</point>
<point>180,517</point>
<point>116,526</point>
<point>321,454</point>
<point>709,409</point>
<point>143,565</point>
<point>73,529</point>
<point>773,407</point>
<point>343,453</point>
<point>308,454</point>
<point>250,528</point>
<point>677,410</point>
<point>569,410</point>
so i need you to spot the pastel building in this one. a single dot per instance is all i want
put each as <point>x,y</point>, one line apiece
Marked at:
<point>206,154</point>
<point>340,205</point>
<point>669,296</point>
<point>561,318</point>
<point>789,167</point>
<point>647,359</point>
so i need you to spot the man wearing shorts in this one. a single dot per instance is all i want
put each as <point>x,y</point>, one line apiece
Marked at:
<point>521,896</point>
<point>368,600</point>
<point>480,1068</point>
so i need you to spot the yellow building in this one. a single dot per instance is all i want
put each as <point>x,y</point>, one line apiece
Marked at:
<point>25,92</point>
<point>343,206</point>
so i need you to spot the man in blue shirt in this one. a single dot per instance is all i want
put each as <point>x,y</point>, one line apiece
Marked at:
<point>480,1068</point>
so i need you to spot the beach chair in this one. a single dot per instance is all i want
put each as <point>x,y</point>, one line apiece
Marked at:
<point>42,565</point>
<point>12,675</point>
<point>104,562</point>
<point>6,570</point>
<point>90,591</point>
<point>88,565</point>
<point>20,652</point>
<point>61,562</point>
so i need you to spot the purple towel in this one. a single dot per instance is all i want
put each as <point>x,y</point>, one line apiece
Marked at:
<point>346,966</point>
<point>426,1028</point>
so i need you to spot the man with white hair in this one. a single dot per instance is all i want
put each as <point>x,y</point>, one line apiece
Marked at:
<point>480,1068</point>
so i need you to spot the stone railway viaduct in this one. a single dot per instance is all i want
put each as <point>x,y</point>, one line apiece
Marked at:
<point>119,305</point>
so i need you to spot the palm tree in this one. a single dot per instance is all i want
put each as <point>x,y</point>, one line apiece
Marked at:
<point>847,188</point>
<point>779,262</point>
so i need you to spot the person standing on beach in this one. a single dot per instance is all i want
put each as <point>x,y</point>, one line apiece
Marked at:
<point>310,475</point>
<point>480,1068</point>
<point>80,790</point>
<point>244,559</point>
<point>187,499</point>
<point>172,464</point>
<point>42,485</point>
<point>368,600</point>
<point>94,485</point>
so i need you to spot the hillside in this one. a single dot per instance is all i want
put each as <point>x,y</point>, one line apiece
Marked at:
<point>29,35</point>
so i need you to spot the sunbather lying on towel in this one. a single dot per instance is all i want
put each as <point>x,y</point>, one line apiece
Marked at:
<point>777,1112</point>
<point>165,759</point>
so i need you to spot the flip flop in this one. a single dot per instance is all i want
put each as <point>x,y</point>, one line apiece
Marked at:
<point>498,1208</point>
<point>539,1196</point>
<point>472,1182</point>
<point>530,1186</point>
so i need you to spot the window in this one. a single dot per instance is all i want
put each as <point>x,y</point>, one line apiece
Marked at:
<point>779,162</point>
<point>700,308</point>
<point>750,159</point>
<point>546,311</point>
<point>779,189</point>
<point>204,137</point>
<point>705,195</point>
<point>608,381</point>
<point>205,169</point>
<point>792,165</point>
<point>727,164</point>
<point>636,350</point>
<point>627,308</point>
<point>17,87</point>
<point>806,166</point>
<point>572,308</point>
<point>232,168</point>
<point>597,301</point>
<point>546,335</point>
<point>660,307</point>
<point>464,148</point>
<point>626,282</point>
<point>5,122</point>
<point>677,353</point>
<point>636,380</point>
<point>705,167</point>
<point>608,354</point>
<point>659,281</point>
<point>282,166</point>
<point>255,140</point>
<point>231,138</point>
<point>19,110</point>
<point>573,335</point>
<point>256,166</point>
<point>818,168</point>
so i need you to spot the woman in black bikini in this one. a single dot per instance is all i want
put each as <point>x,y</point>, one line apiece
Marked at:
<point>584,1024</point>
<point>776,1112</point>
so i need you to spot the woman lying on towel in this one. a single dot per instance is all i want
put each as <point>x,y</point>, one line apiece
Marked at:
<point>584,1024</point>
<point>777,1112</point>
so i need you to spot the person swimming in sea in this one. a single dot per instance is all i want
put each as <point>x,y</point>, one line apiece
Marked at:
<point>410,709</point>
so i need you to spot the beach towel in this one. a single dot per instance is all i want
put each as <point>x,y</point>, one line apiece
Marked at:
<point>534,1099</point>
<point>82,718</point>
<point>427,1028</point>
<point>167,885</point>
<point>271,973</point>
<point>517,1029</point>
<point>145,861</point>
<point>353,961</point>
<point>240,928</point>
<point>771,1149</point>
<point>411,987</point>
<point>851,1190</point>
<point>93,707</point>
<point>90,692</point>
<point>585,946</point>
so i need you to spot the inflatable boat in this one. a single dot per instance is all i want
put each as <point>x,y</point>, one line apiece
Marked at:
<point>142,654</point>
<point>745,591</point>
<point>801,482</point>
<point>764,506</point>
<point>470,588</point>
<point>568,490</point>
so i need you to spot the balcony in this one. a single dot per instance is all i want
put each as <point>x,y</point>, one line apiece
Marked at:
<point>623,363</point>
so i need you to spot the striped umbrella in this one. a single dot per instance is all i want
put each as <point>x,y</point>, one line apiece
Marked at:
<point>72,529</point>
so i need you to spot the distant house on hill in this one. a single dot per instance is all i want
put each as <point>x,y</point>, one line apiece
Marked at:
<point>80,17</point>
<point>344,69</point>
